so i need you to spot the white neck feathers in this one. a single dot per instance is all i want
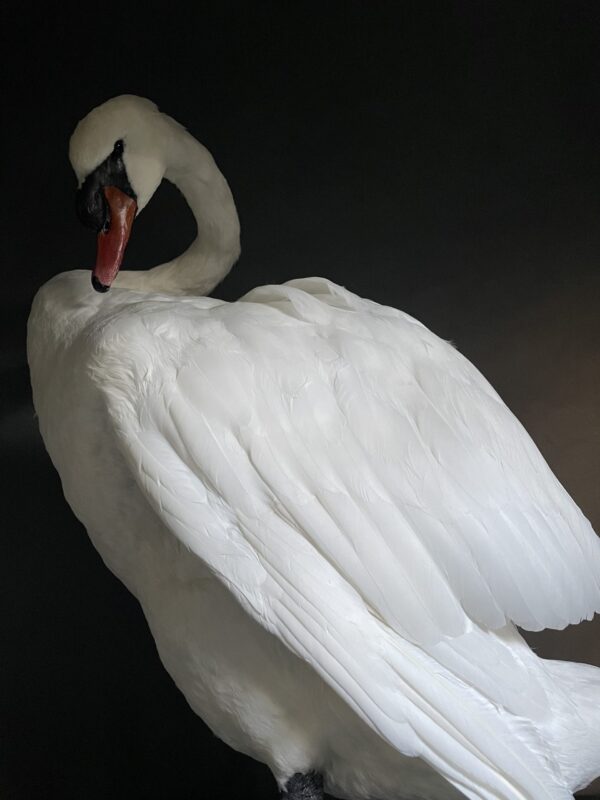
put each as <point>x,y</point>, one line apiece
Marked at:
<point>216,248</point>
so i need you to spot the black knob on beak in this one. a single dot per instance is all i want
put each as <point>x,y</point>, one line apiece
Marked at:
<point>90,204</point>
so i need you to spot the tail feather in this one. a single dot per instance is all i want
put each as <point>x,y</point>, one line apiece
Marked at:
<point>574,730</point>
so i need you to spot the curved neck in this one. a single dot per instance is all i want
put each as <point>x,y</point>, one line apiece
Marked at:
<point>216,247</point>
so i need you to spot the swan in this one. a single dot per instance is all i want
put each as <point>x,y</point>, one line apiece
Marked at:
<point>331,520</point>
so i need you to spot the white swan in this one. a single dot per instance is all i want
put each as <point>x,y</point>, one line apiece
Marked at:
<point>331,520</point>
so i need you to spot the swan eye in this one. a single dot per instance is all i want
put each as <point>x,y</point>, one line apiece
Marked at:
<point>118,149</point>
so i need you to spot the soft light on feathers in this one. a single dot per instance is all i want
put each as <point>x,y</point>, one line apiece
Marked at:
<point>330,518</point>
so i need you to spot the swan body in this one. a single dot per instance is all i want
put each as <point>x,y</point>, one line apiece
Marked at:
<point>330,519</point>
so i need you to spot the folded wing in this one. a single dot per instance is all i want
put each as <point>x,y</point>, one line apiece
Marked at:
<point>364,493</point>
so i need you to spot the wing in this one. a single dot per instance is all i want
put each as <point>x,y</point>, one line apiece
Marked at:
<point>366,496</point>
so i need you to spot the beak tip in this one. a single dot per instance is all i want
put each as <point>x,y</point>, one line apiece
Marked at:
<point>98,286</point>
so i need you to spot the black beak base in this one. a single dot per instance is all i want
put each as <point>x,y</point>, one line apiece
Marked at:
<point>90,204</point>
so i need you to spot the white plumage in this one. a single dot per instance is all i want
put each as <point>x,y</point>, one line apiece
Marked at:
<point>330,518</point>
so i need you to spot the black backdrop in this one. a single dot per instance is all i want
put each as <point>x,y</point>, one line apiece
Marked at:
<point>440,157</point>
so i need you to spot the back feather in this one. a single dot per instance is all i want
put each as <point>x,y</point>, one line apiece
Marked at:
<point>361,489</point>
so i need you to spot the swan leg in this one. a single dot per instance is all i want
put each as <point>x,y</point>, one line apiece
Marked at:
<point>301,786</point>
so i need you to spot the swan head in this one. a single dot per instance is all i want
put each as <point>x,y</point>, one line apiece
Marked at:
<point>118,154</point>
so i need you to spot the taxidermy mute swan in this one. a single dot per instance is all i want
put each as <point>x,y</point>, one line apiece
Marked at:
<point>331,520</point>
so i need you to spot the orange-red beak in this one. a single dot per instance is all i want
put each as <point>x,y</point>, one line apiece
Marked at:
<point>113,241</point>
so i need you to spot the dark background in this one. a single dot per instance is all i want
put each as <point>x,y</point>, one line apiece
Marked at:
<point>442,158</point>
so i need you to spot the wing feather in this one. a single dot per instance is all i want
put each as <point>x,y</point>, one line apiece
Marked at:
<point>367,497</point>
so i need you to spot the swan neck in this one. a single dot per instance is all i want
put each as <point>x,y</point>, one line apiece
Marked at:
<point>209,258</point>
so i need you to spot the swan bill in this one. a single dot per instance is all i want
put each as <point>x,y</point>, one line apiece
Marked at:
<point>113,238</point>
